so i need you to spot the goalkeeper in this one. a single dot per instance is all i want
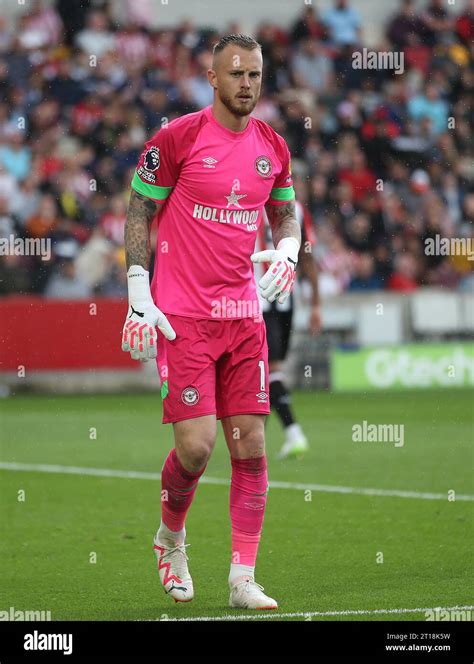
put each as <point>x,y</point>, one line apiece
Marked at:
<point>207,177</point>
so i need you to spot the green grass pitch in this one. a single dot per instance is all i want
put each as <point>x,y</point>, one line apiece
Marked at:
<point>320,551</point>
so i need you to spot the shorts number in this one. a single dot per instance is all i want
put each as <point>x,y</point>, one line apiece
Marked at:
<point>261,364</point>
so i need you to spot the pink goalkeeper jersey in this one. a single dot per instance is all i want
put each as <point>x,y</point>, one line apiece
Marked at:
<point>213,184</point>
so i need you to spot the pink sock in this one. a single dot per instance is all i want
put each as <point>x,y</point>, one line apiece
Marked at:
<point>178,487</point>
<point>248,496</point>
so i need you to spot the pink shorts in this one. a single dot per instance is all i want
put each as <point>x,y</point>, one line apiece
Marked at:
<point>213,367</point>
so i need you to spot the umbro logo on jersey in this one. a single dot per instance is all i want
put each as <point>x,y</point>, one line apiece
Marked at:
<point>209,162</point>
<point>262,397</point>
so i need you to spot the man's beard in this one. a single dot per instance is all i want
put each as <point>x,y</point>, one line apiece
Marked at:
<point>232,104</point>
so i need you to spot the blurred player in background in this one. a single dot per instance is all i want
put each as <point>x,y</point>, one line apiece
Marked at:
<point>209,175</point>
<point>278,320</point>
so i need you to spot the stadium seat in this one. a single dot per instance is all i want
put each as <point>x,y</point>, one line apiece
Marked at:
<point>435,313</point>
<point>466,306</point>
<point>379,326</point>
<point>338,317</point>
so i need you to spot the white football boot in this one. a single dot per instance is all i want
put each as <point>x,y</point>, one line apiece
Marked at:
<point>295,445</point>
<point>173,570</point>
<point>249,595</point>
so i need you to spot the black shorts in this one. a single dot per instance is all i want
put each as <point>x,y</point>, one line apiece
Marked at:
<point>278,324</point>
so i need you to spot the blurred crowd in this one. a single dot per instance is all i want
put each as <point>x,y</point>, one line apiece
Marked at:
<point>382,159</point>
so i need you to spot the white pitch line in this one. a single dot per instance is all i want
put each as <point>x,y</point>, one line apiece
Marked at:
<point>299,486</point>
<point>321,614</point>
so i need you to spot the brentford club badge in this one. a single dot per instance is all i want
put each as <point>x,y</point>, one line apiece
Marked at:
<point>151,161</point>
<point>190,396</point>
<point>263,166</point>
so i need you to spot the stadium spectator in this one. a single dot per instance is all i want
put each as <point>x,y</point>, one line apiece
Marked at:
<point>403,278</point>
<point>112,223</point>
<point>365,277</point>
<point>115,283</point>
<point>140,13</point>
<point>430,105</point>
<point>437,22</point>
<point>73,14</point>
<point>343,23</point>
<point>94,263</point>
<point>25,201</point>
<point>308,25</point>
<point>199,88</point>
<point>465,24</point>
<point>64,283</point>
<point>406,27</point>
<point>334,260</point>
<point>6,38</point>
<point>41,27</point>
<point>15,156</point>
<point>357,233</point>
<point>361,179</point>
<point>8,185</point>
<point>96,38</point>
<point>45,219</point>
<point>319,199</point>
<point>133,45</point>
<point>8,223</point>
<point>312,68</point>
<point>73,132</point>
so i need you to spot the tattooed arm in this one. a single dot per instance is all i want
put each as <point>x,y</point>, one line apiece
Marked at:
<point>141,212</point>
<point>139,337</point>
<point>282,219</point>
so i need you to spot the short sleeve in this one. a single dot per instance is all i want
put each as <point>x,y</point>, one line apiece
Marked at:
<point>158,168</point>
<point>283,191</point>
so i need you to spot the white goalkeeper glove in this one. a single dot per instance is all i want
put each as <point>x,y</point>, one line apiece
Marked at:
<point>277,282</point>
<point>139,336</point>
